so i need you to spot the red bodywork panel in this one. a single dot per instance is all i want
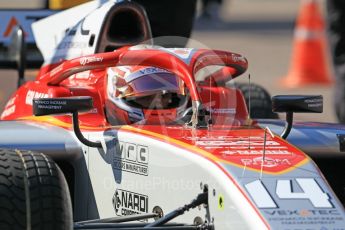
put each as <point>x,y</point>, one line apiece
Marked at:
<point>242,147</point>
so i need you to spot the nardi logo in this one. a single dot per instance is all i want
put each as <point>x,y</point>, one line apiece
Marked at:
<point>129,203</point>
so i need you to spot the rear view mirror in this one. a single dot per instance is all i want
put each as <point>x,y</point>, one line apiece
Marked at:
<point>296,104</point>
<point>49,106</point>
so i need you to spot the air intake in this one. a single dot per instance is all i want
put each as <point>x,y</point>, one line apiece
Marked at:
<point>125,24</point>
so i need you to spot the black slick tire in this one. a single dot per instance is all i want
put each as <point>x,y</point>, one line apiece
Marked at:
<point>33,193</point>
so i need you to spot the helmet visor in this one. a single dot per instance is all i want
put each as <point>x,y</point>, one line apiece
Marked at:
<point>151,84</point>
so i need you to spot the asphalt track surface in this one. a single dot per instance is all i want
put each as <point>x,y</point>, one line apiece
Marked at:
<point>261,30</point>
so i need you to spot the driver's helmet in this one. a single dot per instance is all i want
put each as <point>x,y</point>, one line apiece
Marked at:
<point>144,94</point>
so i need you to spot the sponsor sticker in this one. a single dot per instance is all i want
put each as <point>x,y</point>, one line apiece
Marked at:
<point>256,152</point>
<point>133,158</point>
<point>129,203</point>
<point>11,101</point>
<point>223,111</point>
<point>30,95</point>
<point>56,69</point>
<point>152,70</point>
<point>265,162</point>
<point>8,111</point>
<point>291,218</point>
<point>85,75</point>
<point>237,143</point>
<point>87,60</point>
<point>302,212</point>
<point>238,58</point>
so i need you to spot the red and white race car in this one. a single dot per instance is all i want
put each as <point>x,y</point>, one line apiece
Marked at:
<point>138,131</point>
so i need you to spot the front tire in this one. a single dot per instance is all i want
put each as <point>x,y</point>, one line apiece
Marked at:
<point>33,192</point>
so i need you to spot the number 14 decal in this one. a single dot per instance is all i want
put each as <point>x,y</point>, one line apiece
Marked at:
<point>310,191</point>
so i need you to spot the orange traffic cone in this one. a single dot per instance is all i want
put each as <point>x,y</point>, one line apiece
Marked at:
<point>309,64</point>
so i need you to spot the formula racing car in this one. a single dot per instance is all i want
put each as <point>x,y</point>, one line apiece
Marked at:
<point>119,133</point>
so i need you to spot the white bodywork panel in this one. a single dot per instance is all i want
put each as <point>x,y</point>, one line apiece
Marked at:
<point>173,178</point>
